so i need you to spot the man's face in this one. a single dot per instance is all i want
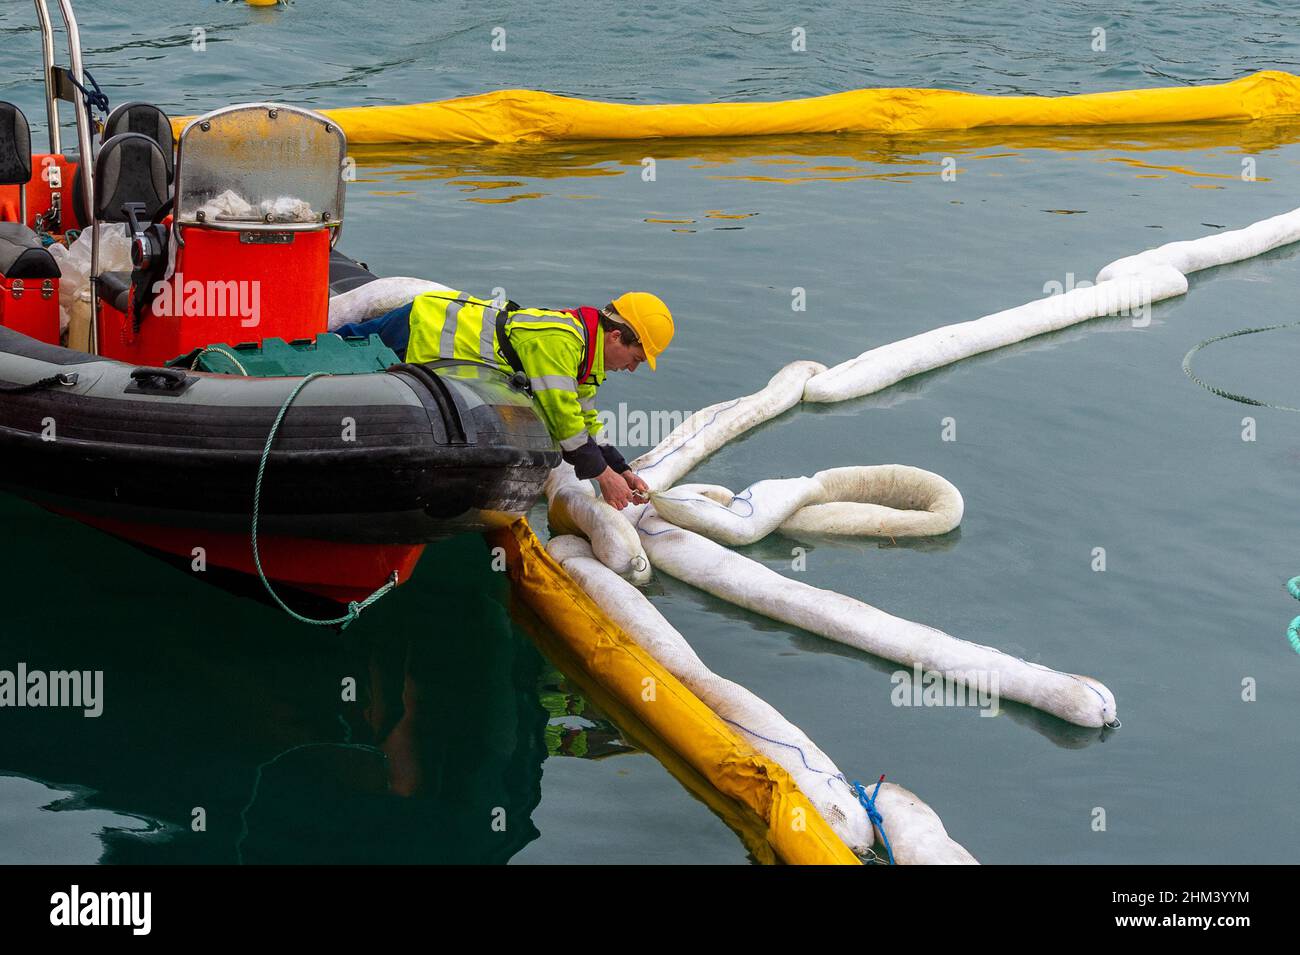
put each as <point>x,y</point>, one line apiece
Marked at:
<point>620,357</point>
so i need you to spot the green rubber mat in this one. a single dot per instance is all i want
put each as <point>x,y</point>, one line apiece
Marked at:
<point>276,358</point>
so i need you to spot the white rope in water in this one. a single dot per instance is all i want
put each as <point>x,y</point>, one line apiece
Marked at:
<point>916,498</point>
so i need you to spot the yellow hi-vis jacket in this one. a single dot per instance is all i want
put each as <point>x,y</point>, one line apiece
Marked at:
<point>551,346</point>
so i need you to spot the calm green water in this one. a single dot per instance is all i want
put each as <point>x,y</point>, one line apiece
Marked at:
<point>1089,438</point>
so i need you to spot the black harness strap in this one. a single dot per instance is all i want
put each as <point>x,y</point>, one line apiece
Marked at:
<point>590,327</point>
<point>503,340</point>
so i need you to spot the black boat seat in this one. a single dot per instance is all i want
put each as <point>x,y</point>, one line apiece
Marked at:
<point>130,167</point>
<point>147,120</point>
<point>114,288</point>
<point>347,273</point>
<point>22,256</point>
<point>131,180</point>
<point>80,207</point>
<point>15,146</point>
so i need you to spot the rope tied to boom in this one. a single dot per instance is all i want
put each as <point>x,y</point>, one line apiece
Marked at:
<point>877,820</point>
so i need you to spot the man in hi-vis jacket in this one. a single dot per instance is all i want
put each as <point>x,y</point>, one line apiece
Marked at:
<point>563,352</point>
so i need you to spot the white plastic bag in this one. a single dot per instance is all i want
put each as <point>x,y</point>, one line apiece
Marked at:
<point>74,264</point>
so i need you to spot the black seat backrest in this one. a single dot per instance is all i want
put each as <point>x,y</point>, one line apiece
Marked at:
<point>130,167</point>
<point>147,120</point>
<point>15,146</point>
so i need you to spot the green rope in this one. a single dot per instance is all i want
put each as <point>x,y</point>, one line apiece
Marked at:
<point>354,608</point>
<point>1292,585</point>
<point>217,349</point>
<point>263,767</point>
<point>1232,396</point>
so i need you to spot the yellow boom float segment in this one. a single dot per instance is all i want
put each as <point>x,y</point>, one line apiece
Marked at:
<point>530,116</point>
<point>796,831</point>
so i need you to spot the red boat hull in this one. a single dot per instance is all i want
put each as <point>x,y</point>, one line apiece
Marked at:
<point>340,572</point>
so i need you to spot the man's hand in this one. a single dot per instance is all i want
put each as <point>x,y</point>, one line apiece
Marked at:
<point>640,490</point>
<point>614,489</point>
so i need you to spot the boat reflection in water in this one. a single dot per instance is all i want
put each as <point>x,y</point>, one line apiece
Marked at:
<point>230,733</point>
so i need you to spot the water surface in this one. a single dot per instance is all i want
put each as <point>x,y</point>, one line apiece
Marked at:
<point>1088,438</point>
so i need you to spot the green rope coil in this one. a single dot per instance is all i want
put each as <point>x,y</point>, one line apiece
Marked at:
<point>1232,396</point>
<point>354,608</point>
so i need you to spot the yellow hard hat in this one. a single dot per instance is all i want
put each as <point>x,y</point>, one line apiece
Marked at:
<point>649,318</point>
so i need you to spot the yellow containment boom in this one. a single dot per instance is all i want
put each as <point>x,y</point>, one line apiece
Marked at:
<point>608,656</point>
<point>523,116</point>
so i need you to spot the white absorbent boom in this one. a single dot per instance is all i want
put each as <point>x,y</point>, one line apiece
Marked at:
<point>684,528</point>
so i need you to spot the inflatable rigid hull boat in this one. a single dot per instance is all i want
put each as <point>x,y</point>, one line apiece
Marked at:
<point>166,371</point>
<point>168,457</point>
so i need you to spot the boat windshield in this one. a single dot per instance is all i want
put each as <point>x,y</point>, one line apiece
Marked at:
<point>260,166</point>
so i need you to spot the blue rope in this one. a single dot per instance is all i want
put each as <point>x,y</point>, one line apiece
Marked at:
<point>698,432</point>
<point>96,100</point>
<point>868,802</point>
<point>877,820</point>
<point>354,608</point>
<point>640,517</point>
<point>1293,631</point>
<point>779,742</point>
<point>744,497</point>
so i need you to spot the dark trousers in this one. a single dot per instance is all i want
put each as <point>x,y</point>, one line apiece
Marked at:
<point>393,329</point>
